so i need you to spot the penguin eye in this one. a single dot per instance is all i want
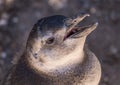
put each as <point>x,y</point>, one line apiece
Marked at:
<point>50,40</point>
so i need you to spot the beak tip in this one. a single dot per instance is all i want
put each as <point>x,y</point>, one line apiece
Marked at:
<point>96,24</point>
<point>87,15</point>
<point>84,15</point>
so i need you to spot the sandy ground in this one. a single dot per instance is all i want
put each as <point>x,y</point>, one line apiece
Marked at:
<point>18,16</point>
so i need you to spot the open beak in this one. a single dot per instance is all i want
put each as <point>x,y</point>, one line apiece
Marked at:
<point>77,32</point>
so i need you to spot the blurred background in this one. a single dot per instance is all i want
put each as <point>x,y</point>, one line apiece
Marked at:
<point>17,18</point>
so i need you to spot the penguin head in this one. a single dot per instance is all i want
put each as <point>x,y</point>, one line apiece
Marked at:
<point>55,37</point>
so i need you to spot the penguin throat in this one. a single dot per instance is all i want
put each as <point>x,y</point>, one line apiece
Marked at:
<point>58,66</point>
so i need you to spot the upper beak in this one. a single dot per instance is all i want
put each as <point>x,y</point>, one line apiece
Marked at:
<point>76,32</point>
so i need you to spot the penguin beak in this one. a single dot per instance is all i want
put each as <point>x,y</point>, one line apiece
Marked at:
<point>77,32</point>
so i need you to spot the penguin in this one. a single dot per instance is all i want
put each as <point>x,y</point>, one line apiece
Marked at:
<point>56,54</point>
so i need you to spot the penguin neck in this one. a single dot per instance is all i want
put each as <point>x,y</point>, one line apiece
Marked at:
<point>58,66</point>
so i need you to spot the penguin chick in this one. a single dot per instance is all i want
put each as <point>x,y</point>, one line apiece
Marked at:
<point>55,55</point>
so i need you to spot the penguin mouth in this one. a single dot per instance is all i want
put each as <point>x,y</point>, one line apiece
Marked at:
<point>76,32</point>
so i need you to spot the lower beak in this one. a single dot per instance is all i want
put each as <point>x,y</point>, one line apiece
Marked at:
<point>77,32</point>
